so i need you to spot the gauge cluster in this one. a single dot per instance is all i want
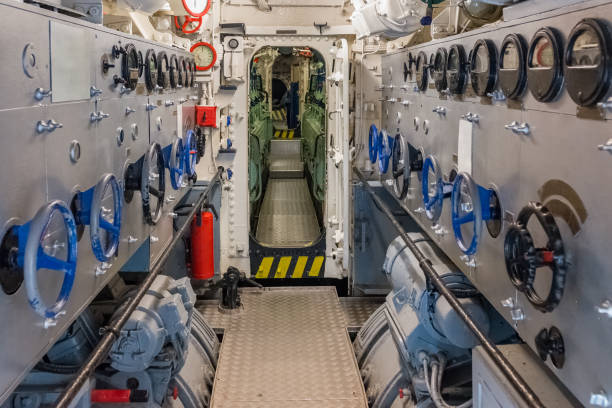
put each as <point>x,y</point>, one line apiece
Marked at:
<point>499,137</point>
<point>103,173</point>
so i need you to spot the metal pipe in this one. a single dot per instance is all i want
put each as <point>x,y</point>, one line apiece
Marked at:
<point>111,334</point>
<point>518,383</point>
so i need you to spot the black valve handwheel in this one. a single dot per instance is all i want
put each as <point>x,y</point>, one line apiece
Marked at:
<point>523,259</point>
<point>153,183</point>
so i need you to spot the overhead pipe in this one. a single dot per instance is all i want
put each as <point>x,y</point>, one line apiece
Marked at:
<point>513,377</point>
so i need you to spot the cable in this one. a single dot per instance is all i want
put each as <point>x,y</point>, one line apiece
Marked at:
<point>57,368</point>
<point>434,382</point>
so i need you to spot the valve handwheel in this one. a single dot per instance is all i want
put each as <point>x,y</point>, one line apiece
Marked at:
<point>92,212</point>
<point>385,150</point>
<point>523,258</point>
<point>435,191</point>
<point>188,20</point>
<point>176,163</point>
<point>373,143</point>
<point>191,152</point>
<point>153,170</point>
<point>471,203</point>
<point>32,256</point>
<point>400,167</point>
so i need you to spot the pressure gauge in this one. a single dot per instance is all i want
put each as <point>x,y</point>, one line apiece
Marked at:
<point>588,62</point>
<point>205,55</point>
<point>129,66</point>
<point>162,70</point>
<point>483,67</point>
<point>140,64</point>
<point>192,68</point>
<point>187,73</point>
<point>196,8</point>
<point>174,71</point>
<point>512,66</point>
<point>439,69</point>
<point>456,69</point>
<point>182,72</point>
<point>544,64</point>
<point>151,70</point>
<point>422,68</point>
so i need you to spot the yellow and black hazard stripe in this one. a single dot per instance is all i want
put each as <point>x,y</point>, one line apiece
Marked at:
<point>284,134</point>
<point>296,267</point>
<point>279,114</point>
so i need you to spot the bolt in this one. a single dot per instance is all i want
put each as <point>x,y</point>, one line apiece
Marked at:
<point>599,399</point>
<point>605,307</point>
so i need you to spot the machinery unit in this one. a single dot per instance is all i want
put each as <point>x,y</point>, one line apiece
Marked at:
<point>85,211</point>
<point>495,121</point>
<point>416,330</point>
<point>270,203</point>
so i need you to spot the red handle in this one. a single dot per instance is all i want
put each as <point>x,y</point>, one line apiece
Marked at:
<point>110,396</point>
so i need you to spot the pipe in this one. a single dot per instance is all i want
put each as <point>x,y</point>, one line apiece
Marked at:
<point>515,379</point>
<point>101,351</point>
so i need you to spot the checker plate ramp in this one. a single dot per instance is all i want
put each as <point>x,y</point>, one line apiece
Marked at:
<point>287,217</point>
<point>288,347</point>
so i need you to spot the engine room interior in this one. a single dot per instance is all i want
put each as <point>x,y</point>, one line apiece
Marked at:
<point>323,203</point>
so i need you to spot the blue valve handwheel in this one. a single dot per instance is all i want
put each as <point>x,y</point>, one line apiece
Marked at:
<point>433,198</point>
<point>475,210</point>
<point>176,163</point>
<point>32,257</point>
<point>191,152</point>
<point>385,151</point>
<point>373,143</point>
<point>105,250</point>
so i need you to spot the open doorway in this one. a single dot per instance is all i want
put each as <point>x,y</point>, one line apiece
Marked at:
<point>287,146</point>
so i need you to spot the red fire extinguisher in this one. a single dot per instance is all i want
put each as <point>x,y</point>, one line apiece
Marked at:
<point>202,246</point>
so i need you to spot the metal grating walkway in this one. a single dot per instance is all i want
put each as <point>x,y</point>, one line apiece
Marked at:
<point>287,217</point>
<point>288,347</point>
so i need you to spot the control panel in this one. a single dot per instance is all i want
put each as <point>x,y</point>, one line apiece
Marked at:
<point>500,141</point>
<point>101,140</point>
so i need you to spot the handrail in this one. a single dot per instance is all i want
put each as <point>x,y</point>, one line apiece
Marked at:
<point>515,379</point>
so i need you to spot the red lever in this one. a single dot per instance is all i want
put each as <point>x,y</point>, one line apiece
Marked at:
<point>401,393</point>
<point>110,396</point>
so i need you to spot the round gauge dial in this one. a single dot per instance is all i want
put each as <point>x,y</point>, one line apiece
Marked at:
<point>150,70</point>
<point>163,73</point>
<point>174,71</point>
<point>205,55</point>
<point>187,73</point>
<point>196,8</point>
<point>544,68</point>
<point>588,60</point>
<point>140,64</point>
<point>439,69</point>
<point>130,66</point>
<point>183,71</point>
<point>483,67</point>
<point>192,69</point>
<point>421,71</point>
<point>512,66</point>
<point>456,69</point>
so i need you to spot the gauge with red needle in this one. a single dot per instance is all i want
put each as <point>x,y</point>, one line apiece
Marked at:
<point>205,55</point>
<point>196,8</point>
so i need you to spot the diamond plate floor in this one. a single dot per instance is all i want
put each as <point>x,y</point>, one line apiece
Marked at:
<point>287,217</point>
<point>287,347</point>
